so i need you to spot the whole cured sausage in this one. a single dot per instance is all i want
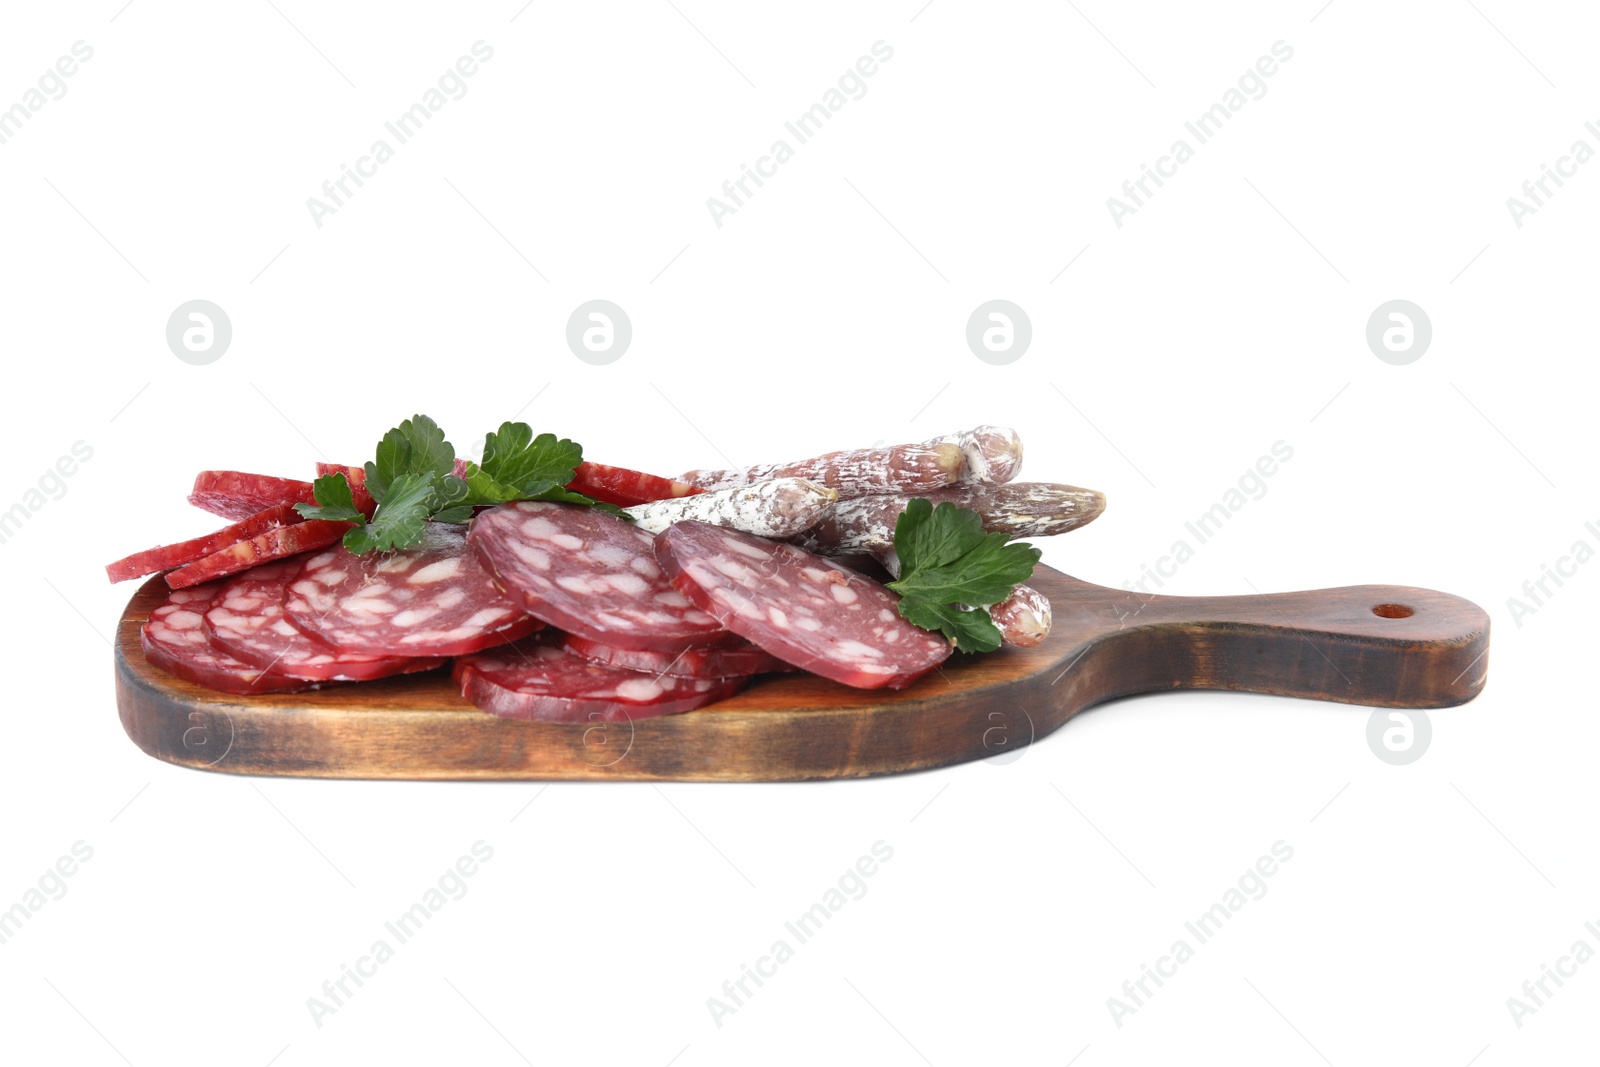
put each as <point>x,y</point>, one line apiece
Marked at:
<point>1021,509</point>
<point>589,573</point>
<point>432,599</point>
<point>806,610</point>
<point>899,468</point>
<point>781,507</point>
<point>985,455</point>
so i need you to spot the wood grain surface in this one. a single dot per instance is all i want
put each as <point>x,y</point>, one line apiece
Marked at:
<point>1390,646</point>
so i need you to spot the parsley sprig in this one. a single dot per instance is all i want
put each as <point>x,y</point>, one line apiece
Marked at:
<point>414,480</point>
<point>947,561</point>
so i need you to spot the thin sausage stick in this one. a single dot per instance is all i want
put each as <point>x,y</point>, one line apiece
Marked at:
<point>986,455</point>
<point>898,468</point>
<point>781,507</point>
<point>1021,509</point>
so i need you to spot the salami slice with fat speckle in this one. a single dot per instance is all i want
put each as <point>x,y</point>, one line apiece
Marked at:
<point>539,680</point>
<point>246,620</point>
<point>804,609</point>
<point>591,574</point>
<point>432,599</point>
<point>279,543</point>
<point>174,639</point>
<point>166,557</point>
<point>733,661</point>
<point>238,495</point>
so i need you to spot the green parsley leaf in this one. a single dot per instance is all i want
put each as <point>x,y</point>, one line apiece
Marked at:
<point>952,561</point>
<point>484,489</point>
<point>413,480</point>
<point>519,466</point>
<point>416,446</point>
<point>947,561</point>
<point>515,458</point>
<point>449,500</point>
<point>333,501</point>
<point>922,542</point>
<point>973,630</point>
<point>399,520</point>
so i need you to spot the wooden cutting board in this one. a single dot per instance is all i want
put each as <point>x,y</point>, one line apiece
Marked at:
<point>1389,646</point>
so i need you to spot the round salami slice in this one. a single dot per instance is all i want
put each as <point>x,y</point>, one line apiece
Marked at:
<point>246,620</point>
<point>279,543</point>
<point>734,661</point>
<point>237,495</point>
<point>174,639</point>
<point>542,681</point>
<point>166,557</point>
<point>804,609</point>
<point>432,599</point>
<point>591,574</point>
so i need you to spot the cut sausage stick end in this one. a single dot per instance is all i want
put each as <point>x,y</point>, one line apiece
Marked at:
<point>1023,617</point>
<point>991,455</point>
<point>985,455</point>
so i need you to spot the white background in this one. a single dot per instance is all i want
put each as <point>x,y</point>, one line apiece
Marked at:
<point>1227,314</point>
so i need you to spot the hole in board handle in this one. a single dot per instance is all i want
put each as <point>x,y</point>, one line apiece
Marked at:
<point>1392,611</point>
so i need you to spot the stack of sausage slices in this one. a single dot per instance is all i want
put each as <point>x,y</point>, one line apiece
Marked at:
<point>560,612</point>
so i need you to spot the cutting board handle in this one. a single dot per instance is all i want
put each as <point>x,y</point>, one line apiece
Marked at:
<point>1383,645</point>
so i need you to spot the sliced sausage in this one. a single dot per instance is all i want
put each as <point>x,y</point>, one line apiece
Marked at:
<point>591,574</point>
<point>432,599</point>
<point>281,543</point>
<point>166,557</point>
<point>538,680</point>
<point>246,620</point>
<point>733,661</point>
<point>626,488</point>
<point>805,609</point>
<point>174,639</point>
<point>238,495</point>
